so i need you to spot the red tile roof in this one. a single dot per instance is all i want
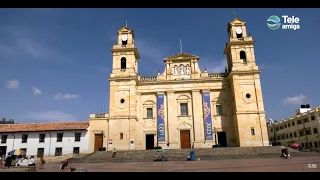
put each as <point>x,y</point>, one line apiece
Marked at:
<point>43,127</point>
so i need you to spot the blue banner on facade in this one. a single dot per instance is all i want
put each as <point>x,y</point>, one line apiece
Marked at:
<point>160,117</point>
<point>207,116</point>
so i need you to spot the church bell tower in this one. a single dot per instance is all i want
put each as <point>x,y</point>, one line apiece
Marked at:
<point>125,55</point>
<point>249,117</point>
<point>123,91</point>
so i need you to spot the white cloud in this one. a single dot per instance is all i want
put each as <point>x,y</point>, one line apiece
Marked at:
<point>36,91</point>
<point>49,116</point>
<point>32,47</point>
<point>61,96</point>
<point>13,84</point>
<point>27,41</point>
<point>301,99</point>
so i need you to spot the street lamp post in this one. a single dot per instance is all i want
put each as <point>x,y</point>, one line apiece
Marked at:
<point>304,130</point>
<point>215,134</point>
<point>274,133</point>
<point>157,140</point>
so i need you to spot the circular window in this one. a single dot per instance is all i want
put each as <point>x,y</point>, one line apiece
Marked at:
<point>122,101</point>
<point>248,95</point>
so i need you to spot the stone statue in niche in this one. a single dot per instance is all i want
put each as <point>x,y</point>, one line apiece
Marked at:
<point>175,70</point>
<point>188,69</point>
<point>181,70</point>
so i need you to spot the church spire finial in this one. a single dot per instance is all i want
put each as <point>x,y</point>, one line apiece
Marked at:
<point>234,14</point>
<point>126,23</point>
<point>180,46</point>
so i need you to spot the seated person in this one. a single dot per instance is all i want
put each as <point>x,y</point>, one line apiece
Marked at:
<point>64,165</point>
<point>31,161</point>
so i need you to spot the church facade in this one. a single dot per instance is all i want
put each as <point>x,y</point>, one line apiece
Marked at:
<point>183,107</point>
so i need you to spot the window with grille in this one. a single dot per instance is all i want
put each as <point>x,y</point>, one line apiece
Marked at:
<point>58,152</point>
<point>42,137</point>
<point>59,137</point>
<point>4,139</point>
<point>76,150</point>
<point>24,138</point>
<point>77,137</point>
<point>40,152</point>
<point>183,109</point>
<point>149,113</point>
<point>219,111</point>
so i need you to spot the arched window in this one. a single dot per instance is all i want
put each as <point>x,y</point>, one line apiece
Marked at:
<point>188,69</point>
<point>239,35</point>
<point>243,56</point>
<point>124,42</point>
<point>181,69</point>
<point>124,39</point>
<point>175,70</point>
<point>123,63</point>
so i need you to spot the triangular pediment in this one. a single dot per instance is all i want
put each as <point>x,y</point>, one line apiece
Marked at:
<point>181,56</point>
<point>237,21</point>
<point>125,29</point>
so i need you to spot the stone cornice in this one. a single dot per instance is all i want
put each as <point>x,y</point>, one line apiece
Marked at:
<point>250,112</point>
<point>134,49</point>
<point>124,78</point>
<point>232,43</point>
<point>195,90</point>
<point>250,72</point>
<point>123,117</point>
<point>170,92</point>
<point>183,81</point>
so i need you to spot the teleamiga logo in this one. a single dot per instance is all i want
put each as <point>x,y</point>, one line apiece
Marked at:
<point>289,23</point>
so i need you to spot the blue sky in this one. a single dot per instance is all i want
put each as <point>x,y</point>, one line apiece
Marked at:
<point>55,63</point>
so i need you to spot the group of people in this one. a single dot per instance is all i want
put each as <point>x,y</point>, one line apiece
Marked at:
<point>191,157</point>
<point>13,160</point>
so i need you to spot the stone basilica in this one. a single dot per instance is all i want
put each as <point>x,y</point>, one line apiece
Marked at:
<point>182,107</point>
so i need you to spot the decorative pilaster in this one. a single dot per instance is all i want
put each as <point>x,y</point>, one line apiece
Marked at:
<point>197,116</point>
<point>171,117</point>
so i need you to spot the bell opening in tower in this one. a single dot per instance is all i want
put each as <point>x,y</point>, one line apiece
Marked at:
<point>124,39</point>
<point>243,56</point>
<point>239,33</point>
<point>123,63</point>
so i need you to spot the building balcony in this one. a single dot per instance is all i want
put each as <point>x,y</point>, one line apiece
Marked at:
<point>148,78</point>
<point>210,75</point>
<point>99,115</point>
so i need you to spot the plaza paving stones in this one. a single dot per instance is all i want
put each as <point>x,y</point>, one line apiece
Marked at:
<point>296,164</point>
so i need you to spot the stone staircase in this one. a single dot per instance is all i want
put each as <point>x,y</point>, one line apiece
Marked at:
<point>182,154</point>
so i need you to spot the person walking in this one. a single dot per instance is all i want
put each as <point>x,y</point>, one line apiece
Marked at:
<point>41,163</point>
<point>114,153</point>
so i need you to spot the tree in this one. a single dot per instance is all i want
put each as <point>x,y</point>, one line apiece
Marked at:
<point>5,121</point>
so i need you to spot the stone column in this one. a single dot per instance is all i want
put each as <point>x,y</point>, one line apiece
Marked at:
<point>196,67</point>
<point>192,66</point>
<point>197,116</point>
<point>139,141</point>
<point>171,119</point>
<point>168,68</point>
